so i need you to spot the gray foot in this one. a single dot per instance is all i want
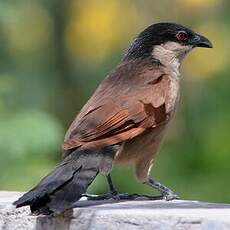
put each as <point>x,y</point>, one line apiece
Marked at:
<point>167,194</point>
<point>122,196</point>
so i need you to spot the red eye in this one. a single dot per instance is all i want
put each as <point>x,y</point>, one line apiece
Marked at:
<point>181,36</point>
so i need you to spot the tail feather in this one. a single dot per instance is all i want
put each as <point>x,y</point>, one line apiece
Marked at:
<point>72,191</point>
<point>65,184</point>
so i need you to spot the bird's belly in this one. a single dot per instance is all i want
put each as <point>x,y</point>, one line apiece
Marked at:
<point>143,146</point>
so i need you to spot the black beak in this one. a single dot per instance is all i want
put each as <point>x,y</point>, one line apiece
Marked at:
<point>201,41</point>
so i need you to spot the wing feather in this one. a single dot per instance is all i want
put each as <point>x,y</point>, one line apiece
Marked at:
<point>117,112</point>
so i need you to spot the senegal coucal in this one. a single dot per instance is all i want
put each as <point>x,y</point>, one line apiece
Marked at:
<point>123,122</point>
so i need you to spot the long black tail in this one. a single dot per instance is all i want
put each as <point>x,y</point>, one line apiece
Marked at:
<point>65,184</point>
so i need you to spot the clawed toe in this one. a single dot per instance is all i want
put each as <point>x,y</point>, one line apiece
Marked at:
<point>96,197</point>
<point>108,196</point>
<point>170,196</point>
<point>126,196</point>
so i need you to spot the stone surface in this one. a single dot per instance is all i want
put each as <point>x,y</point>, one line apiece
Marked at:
<point>97,215</point>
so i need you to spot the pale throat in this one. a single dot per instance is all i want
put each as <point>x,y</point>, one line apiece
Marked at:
<point>171,54</point>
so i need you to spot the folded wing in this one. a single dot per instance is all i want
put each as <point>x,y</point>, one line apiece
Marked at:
<point>124,106</point>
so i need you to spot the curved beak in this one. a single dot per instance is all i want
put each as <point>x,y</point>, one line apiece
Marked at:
<point>201,41</point>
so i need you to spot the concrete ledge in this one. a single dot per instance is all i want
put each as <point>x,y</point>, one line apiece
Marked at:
<point>97,215</point>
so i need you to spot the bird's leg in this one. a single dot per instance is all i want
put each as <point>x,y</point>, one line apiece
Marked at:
<point>112,189</point>
<point>166,193</point>
<point>112,194</point>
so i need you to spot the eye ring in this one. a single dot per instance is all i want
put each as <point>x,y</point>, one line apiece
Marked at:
<point>181,36</point>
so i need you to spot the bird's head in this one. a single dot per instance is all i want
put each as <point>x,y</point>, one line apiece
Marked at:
<point>165,42</point>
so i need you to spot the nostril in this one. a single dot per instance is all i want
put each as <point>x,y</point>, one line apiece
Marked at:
<point>196,38</point>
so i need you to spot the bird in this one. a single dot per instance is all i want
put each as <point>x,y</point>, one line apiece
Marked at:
<point>123,122</point>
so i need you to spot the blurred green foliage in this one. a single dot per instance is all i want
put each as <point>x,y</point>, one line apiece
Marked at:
<point>54,54</point>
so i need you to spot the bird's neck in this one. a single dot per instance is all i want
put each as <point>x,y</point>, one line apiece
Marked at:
<point>168,59</point>
<point>170,55</point>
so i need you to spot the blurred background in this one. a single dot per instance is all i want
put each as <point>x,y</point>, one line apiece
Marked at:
<point>53,55</point>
